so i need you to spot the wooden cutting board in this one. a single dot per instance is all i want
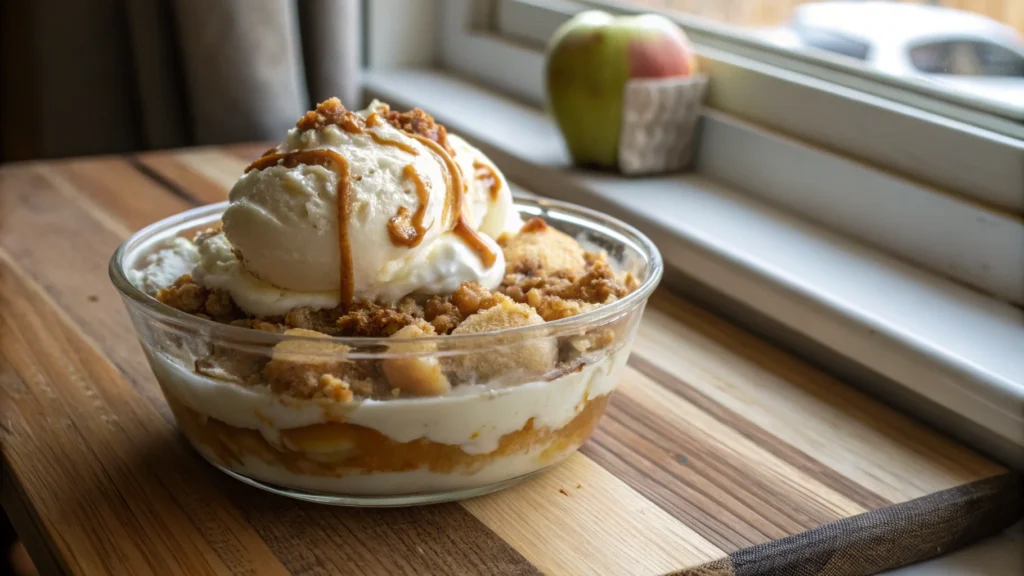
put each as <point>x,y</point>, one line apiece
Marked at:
<point>718,454</point>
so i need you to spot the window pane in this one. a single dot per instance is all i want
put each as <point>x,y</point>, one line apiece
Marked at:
<point>969,47</point>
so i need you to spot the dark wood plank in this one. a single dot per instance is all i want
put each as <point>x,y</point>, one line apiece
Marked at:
<point>888,537</point>
<point>733,497</point>
<point>755,433</point>
<point>41,549</point>
<point>168,171</point>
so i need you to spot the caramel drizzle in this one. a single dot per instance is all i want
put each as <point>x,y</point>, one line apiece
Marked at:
<point>475,242</point>
<point>406,231</point>
<point>452,214</point>
<point>400,145</point>
<point>326,158</point>
<point>486,174</point>
<point>453,182</point>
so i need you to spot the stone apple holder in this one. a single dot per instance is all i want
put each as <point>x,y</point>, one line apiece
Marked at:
<point>659,120</point>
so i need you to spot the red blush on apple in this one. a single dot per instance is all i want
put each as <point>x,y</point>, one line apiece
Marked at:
<point>661,58</point>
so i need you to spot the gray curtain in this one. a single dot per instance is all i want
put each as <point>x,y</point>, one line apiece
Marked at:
<point>101,76</point>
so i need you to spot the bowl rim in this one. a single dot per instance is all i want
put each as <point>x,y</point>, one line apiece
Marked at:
<point>587,216</point>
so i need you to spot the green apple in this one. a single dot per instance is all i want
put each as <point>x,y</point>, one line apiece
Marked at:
<point>589,60</point>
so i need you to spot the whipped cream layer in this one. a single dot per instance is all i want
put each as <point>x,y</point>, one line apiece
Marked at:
<point>472,417</point>
<point>161,268</point>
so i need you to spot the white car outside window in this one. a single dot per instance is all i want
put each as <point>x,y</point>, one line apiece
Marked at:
<point>954,48</point>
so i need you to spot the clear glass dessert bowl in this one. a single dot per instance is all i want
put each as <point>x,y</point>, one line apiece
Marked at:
<point>515,401</point>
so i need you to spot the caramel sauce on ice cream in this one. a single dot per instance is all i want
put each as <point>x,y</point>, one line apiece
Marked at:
<point>328,159</point>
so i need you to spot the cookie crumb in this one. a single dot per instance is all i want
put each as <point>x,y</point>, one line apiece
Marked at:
<point>335,388</point>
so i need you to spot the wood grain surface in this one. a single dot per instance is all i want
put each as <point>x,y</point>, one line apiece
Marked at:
<point>718,454</point>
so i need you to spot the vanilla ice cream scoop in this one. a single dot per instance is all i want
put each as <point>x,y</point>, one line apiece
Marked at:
<point>351,207</point>
<point>488,201</point>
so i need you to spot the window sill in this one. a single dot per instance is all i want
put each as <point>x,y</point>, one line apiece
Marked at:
<point>947,352</point>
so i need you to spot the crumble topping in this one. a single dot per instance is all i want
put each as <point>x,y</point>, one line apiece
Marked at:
<point>416,121</point>
<point>333,112</point>
<point>548,277</point>
<point>187,296</point>
<point>327,113</point>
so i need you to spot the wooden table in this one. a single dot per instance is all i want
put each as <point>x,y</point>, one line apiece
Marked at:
<point>718,450</point>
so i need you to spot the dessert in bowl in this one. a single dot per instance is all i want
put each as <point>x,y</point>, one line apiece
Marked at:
<point>372,318</point>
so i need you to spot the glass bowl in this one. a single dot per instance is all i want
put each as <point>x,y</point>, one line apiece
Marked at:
<point>520,400</point>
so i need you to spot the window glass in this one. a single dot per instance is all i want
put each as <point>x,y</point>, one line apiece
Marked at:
<point>970,39</point>
<point>933,58</point>
<point>996,60</point>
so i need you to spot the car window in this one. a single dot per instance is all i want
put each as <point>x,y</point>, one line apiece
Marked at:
<point>933,58</point>
<point>995,60</point>
<point>966,58</point>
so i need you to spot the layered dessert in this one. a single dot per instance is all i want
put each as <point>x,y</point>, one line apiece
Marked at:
<point>379,319</point>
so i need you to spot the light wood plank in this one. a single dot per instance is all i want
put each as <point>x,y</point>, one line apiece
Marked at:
<point>213,164</point>
<point>248,151</point>
<point>71,264</point>
<point>116,189</point>
<point>565,529</point>
<point>168,167</point>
